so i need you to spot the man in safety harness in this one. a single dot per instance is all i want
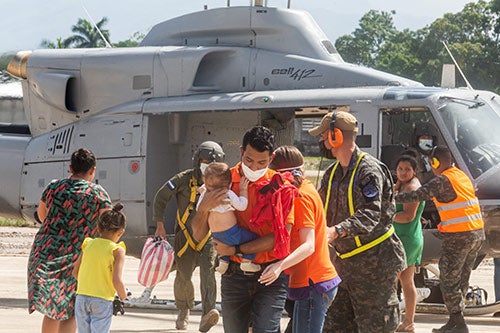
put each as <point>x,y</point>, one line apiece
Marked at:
<point>357,192</point>
<point>461,229</point>
<point>190,253</point>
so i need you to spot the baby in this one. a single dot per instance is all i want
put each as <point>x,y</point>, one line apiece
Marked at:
<point>222,220</point>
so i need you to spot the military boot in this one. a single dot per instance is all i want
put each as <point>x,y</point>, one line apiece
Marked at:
<point>210,319</point>
<point>449,325</point>
<point>460,325</point>
<point>181,323</point>
<point>456,324</point>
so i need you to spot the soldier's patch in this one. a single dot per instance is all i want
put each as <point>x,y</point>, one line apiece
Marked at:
<point>171,185</point>
<point>370,191</point>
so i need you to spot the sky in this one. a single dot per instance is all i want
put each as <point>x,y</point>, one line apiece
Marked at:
<point>24,24</point>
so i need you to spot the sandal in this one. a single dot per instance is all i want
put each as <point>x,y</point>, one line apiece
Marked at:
<point>407,328</point>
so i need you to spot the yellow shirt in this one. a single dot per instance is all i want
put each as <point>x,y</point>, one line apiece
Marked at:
<point>95,277</point>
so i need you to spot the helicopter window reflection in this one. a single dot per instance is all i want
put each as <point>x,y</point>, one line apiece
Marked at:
<point>474,128</point>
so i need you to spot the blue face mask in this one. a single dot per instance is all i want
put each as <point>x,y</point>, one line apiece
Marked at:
<point>425,144</point>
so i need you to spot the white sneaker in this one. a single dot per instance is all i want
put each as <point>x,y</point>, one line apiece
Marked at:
<point>249,267</point>
<point>222,268</point>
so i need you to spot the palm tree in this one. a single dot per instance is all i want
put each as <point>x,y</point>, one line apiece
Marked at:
<point>87,35</point>
<point>58,44</point>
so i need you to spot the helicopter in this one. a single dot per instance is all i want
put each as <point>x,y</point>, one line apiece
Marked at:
<point>211,75</point>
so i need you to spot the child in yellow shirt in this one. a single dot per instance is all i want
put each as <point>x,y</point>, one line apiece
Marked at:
<point>99,273</point>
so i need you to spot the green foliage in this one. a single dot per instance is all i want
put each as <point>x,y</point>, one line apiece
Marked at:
<point>363,46</point>
<point>136,38</point>
<point>60,43</point>
<point>472,36</point>
<point>4,60</point>
<point>6,222</point>
<point>87,36</point>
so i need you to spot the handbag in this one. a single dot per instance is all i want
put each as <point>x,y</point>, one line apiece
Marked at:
<point>157,259</point>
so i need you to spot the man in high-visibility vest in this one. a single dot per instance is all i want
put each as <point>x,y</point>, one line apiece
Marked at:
<point>461,229</point>
<point>357,192</point>
<point>189,252</point>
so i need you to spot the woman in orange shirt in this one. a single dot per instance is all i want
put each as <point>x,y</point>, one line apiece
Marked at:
<point>313,279</point>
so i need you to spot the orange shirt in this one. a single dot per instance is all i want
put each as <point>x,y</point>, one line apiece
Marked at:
<point>244,216</point>
<point>309,213</point>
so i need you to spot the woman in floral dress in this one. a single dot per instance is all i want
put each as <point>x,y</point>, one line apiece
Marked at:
<point>69,210</point>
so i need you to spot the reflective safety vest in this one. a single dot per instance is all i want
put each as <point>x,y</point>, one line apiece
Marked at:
<point>463,213</point>
<point>359,246</point>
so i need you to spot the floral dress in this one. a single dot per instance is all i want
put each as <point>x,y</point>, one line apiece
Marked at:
<point>72,214</point>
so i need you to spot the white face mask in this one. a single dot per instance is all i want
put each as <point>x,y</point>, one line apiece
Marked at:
<point>253,175</point>
<point>203,167</point>
<point>425,144</point>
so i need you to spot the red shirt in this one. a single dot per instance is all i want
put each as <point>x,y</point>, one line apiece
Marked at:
<point>244,216</point>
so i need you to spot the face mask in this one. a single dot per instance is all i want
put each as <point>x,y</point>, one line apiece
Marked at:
<point>326,153</point>
<point>252,175</point>
<point>203,167</point>
<point>425,144</point>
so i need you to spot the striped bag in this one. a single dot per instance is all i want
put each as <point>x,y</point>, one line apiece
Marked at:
<point>156,261</point>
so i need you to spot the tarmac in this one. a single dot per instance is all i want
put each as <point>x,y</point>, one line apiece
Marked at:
<point>14,316</point>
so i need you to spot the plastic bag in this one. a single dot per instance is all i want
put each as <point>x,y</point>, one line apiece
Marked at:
<point>157,259</point>
<point>476,296</point>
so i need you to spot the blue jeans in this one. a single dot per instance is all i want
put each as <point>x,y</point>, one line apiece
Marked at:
<point>309,314</point>
<point>245,300</point>
<point>497,279</point>
<point>93,314</point>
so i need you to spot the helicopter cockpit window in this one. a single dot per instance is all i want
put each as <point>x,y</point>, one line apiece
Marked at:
<point>473,126</point>
<point>329,46</point>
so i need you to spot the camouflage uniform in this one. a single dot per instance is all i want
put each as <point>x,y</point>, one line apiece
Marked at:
<point>179,187</point>
<point>366,300</point>
<point>459,250</point>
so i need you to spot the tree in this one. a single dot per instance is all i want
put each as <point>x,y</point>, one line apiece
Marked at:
<point>59,44</point>
<point>471,37</point>
<point>397,55</point>
<point>363,45</point>
<point>4,61</point>
<point>86,35</point>
<point>471,34</point>
<point>133,41</point>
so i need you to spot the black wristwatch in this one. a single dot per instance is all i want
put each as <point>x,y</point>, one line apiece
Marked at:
<point>237,251</point>
<point>340,230</point>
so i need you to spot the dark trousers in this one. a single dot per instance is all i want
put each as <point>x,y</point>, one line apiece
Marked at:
<point>245,300</point>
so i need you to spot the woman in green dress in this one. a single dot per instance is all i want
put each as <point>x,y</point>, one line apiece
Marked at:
<point>409,230</point>
<point>69,210</point>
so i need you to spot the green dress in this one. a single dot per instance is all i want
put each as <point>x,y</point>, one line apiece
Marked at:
<point>72,213</point>
<point>411,235</point>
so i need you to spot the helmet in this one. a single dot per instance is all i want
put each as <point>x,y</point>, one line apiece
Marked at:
<point>427,129</point>
<point>209,151</point>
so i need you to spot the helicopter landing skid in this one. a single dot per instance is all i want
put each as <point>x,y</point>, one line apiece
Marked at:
<point>472,310</point>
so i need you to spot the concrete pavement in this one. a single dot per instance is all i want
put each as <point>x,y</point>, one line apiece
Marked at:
<point>14,316</point>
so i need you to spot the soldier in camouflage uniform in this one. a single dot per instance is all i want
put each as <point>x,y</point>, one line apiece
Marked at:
<point>461,229</point>
<point>358,195</point>
<point>190,253</point>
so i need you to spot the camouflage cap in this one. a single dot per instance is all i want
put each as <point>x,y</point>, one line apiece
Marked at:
<point>344,121</point>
